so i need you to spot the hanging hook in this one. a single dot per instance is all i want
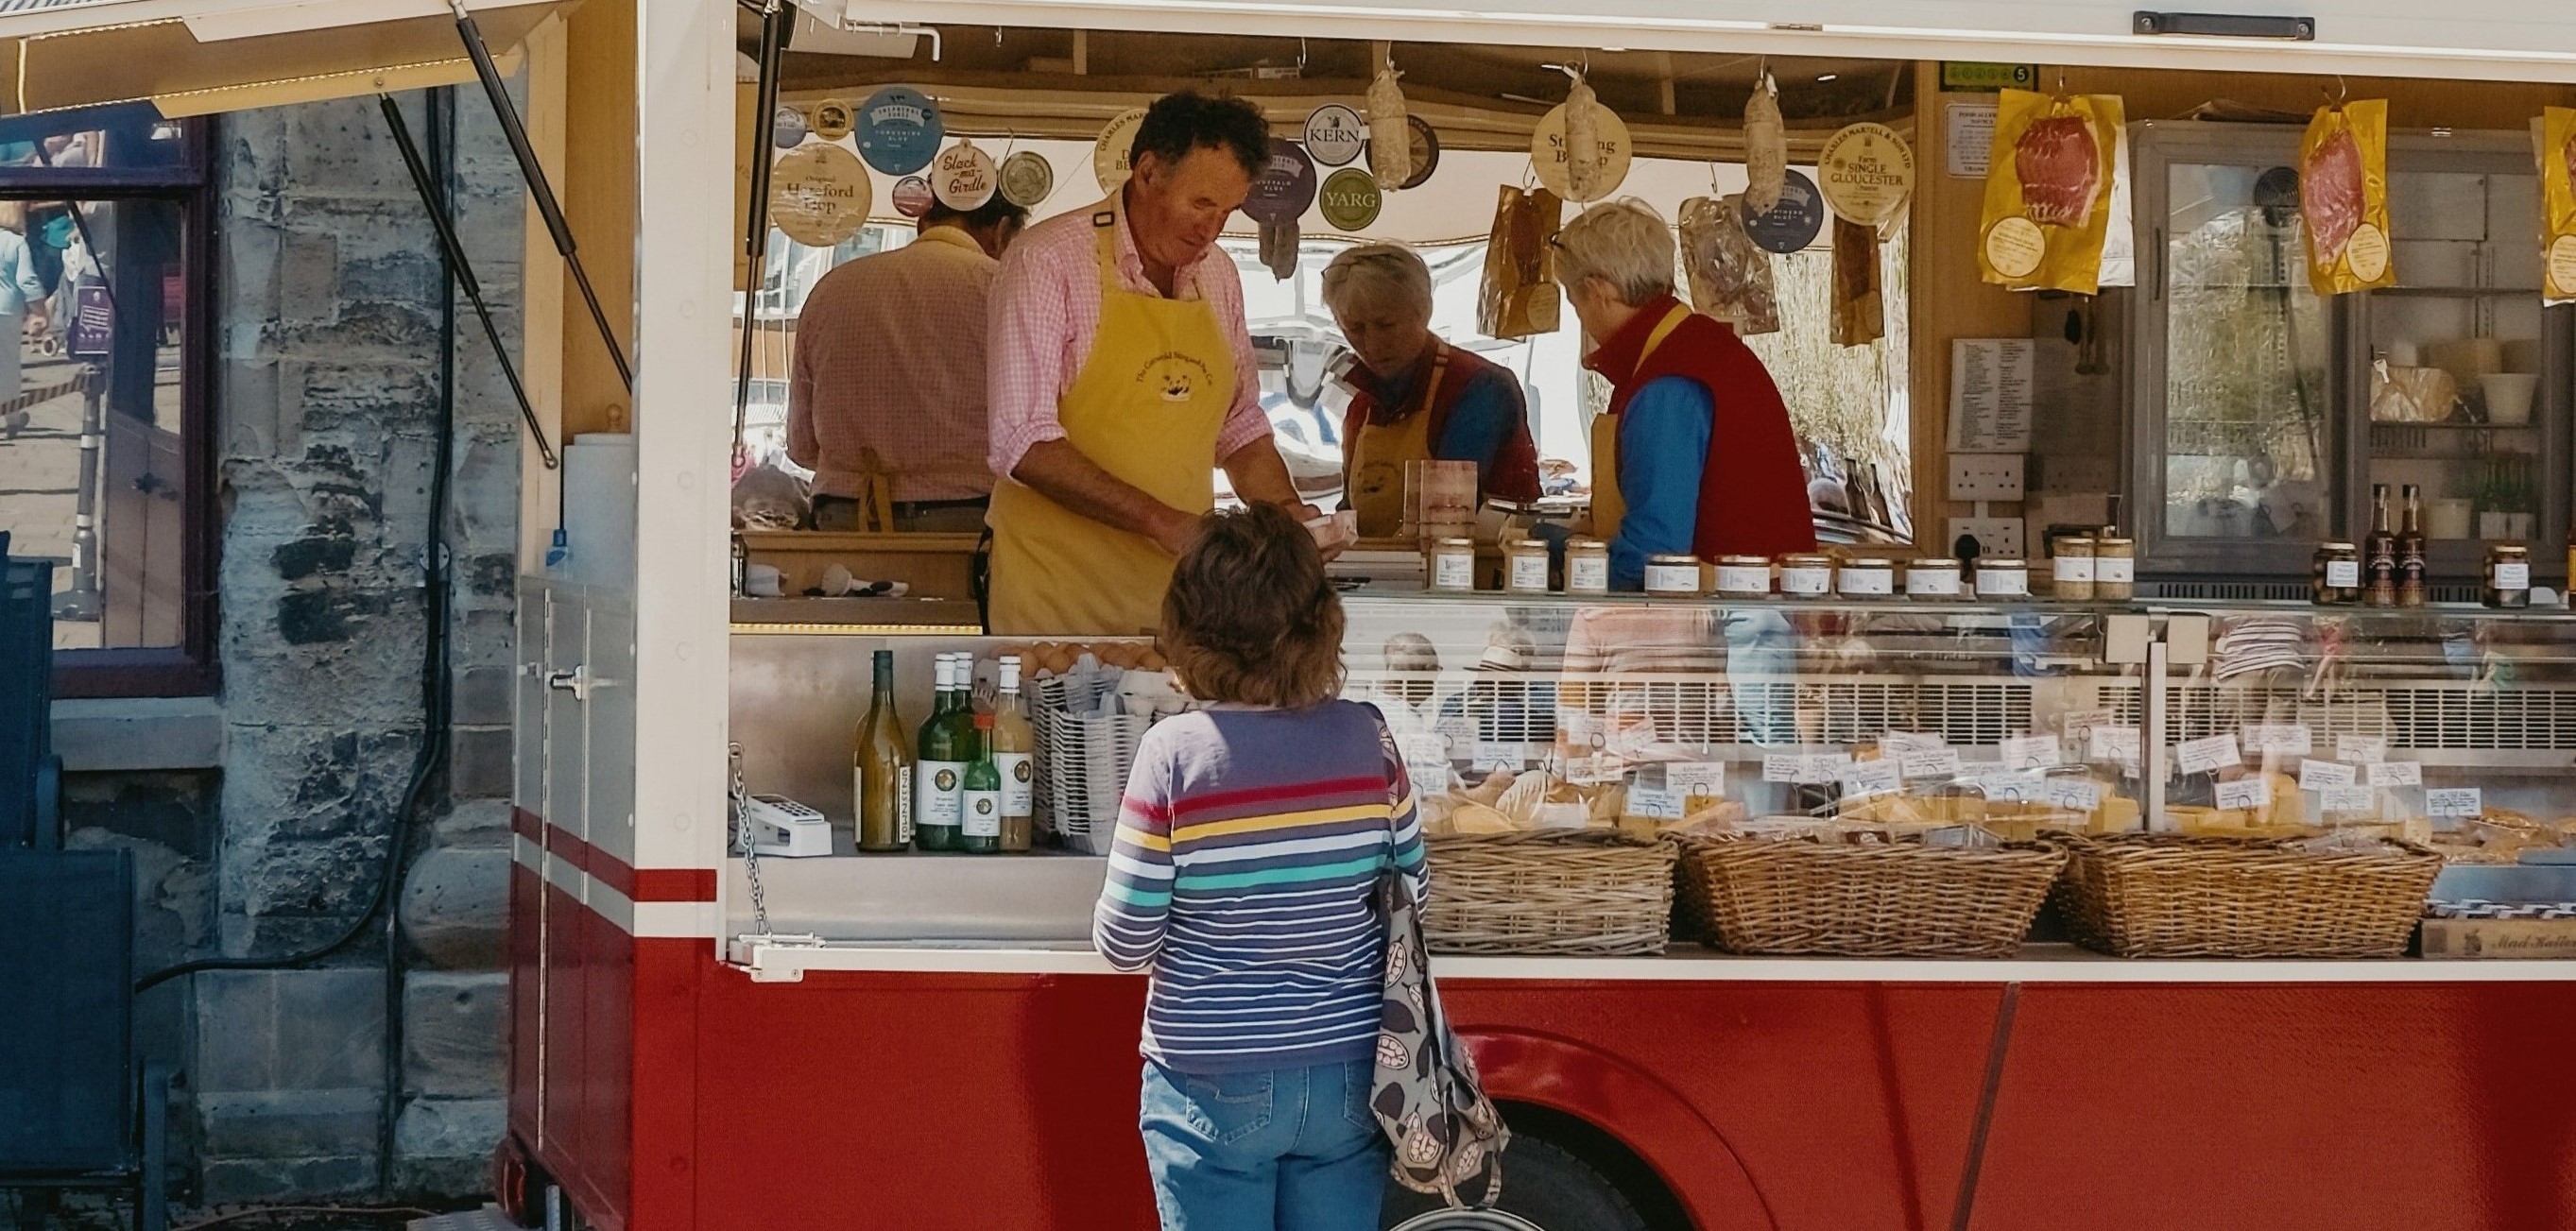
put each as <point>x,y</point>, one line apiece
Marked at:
<point>1301,56</point>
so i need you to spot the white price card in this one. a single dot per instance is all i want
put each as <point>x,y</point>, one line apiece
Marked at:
<point>1702,778</point>
<point>2397,773</point>
<point>1931,763</point>
<point>2079,724</point>
<point>2030,751</point>
<point>2361,749</point>
<point>1594,771</point>
<point>1631,737</point>
<point>2249,792</point>
<point>2289,739</point>
<point>2107,743</point>
<point>2454,802</point>
<point>1577,728</point>
<point>2012,784</point>
<point>2345,799</point>
<point>2079,794</point>
<point>1493,755</point>
<point>1898,743</point>
<point>1870,778</point>
<point>1826,766</point>
<point>2202,756</point>
<point>2320,775</point>
<point>1425,749</point>
<point>1783,767</point>
<point>1654,804</point>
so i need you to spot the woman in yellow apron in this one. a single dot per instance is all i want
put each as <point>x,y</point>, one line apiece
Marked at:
<point>1147,406</point>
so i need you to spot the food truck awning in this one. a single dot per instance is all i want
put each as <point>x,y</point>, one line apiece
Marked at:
<point>2495,39</point>
<point>193,57</point>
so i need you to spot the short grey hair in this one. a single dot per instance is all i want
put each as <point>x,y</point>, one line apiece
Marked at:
<point>1624,243</point>
<point>1377,273</point>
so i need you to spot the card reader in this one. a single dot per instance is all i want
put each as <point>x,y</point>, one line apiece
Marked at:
<point>782,826</point>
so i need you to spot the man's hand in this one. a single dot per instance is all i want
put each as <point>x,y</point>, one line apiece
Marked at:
<point>1058,471</point>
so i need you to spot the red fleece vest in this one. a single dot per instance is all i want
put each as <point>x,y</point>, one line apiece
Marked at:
<point>1752,492</point>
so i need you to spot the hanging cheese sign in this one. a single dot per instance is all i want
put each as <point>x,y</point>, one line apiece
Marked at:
<point>1285,187</point>
<point>1791,224</point>
<point>1581,180</point>
<point>1335,134</point>
<point>1867,173</point>
<point>1028,179</point>
<point>1351,200</point>
<point>962,177</point>
<point>1116,144</point>
<point>899,130</point>
<point>819,195</point>
<point>787,128</point>
<point>834,118</point>
<point>913,196</point>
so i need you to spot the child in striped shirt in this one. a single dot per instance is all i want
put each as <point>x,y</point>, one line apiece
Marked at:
<point>1252,834</point>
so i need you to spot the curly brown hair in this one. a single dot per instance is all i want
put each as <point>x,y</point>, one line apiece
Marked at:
<point>1252,618</point>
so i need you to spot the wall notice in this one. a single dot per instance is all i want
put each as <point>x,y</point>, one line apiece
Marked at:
<point>1990,394</point>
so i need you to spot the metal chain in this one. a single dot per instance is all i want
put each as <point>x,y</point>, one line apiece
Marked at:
<point>743,844</point>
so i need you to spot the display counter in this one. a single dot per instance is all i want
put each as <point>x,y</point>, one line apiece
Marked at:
<point>2449,727</point>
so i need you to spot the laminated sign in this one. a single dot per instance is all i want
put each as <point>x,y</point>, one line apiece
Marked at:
<point>899,130</point>
<point>963,177</point>
<point>2049,186</point>
<point>2343,197</point>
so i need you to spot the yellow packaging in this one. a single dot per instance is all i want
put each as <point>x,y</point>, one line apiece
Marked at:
<point>2557,135</point>
<point>2048,191</point>
<point>2343,197</point>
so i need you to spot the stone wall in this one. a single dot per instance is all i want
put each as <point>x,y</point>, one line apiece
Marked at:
<point>328,367</point>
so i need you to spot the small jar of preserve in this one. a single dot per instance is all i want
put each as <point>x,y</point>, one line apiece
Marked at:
<point>2115,569</point>
<point>1525,567</point>
<point>1935,578</point>
<point>1587,566</point>
<point>2508,576</point>
<point>1673,576</point>
<point>1743,576</point>
<point>2074,568</point>
<point>1450,565</point>
<point>2334,575</point>
<point>2002,577</point>
<point>1806,576</point>
<point>1867,577</point>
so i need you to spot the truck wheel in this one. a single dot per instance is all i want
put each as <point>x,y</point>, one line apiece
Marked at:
<point>1544,1189</point>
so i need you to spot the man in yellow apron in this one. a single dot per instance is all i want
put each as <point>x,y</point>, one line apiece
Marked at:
<point>1121,377</point>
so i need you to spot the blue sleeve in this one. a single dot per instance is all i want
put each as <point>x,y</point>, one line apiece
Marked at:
<point>30,284</point>
<point>1486,412</point>
<point>1663,445</point>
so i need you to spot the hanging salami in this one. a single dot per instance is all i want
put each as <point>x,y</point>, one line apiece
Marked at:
<point>2049,184</point>
<point>2557,138</point>
<point>2343,197</point>
<point>1766,147</point>
<point>1390,149</point>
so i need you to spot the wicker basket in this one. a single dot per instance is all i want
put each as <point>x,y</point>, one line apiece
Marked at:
<point>2171,895</point>
<point>1578,892</point>
<point>1900,899</point>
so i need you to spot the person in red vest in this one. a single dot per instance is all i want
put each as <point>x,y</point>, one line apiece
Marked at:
<point>1695,455</point>
<point>1414,397</point>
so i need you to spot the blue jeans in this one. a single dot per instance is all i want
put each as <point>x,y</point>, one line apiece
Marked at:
<point>1293,1149</point>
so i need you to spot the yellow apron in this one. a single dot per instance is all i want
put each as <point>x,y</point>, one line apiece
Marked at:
<point>1609,508</point>
<point>1373,476</point>
<point>1147,406</point>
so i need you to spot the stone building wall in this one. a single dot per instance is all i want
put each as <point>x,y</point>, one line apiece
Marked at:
<point>327,371</point>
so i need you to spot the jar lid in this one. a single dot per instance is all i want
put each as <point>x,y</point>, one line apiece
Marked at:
<point>1984,563</point>
<point>1528,545</point>
<point>2065,541</point>
<point>2508,549</point>
<point>1469,544</point>
<point>1745,561</point>
<point>2336,547</point>
<point>1934,562</point>
<point>1869,562</point>
<point>1673,559</point>
<point>1803,560</point>
<point>2100,543</point>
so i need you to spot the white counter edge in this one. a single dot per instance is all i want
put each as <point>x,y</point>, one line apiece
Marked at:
<point>775,962</point>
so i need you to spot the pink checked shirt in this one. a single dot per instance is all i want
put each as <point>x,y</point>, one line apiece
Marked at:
<point>1046,310</point>
<point>890,356</point>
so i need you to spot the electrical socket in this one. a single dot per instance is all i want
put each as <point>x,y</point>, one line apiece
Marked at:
<point>1986,476</point>
<point>1996,536</point>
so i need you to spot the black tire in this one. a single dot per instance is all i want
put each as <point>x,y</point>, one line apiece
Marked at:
<point>1544,1189</point>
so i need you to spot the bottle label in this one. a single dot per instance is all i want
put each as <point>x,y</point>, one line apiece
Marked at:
<point>2114,568</point>
<point>1932,582</point>
<point>2075,568</point>
<point>939,794</point>
<point>1672,579</point>
<point>2513,577</point>
<point>1868,581</point>
<point>2343,574</point>
<point>903,805</point>
<point>1743,579</point>
<point>1453,572</point>
<point>1808,581</point>
<point>982,812</point>
<point>1019,783</point>
<point>1529,574</point>
<point>2002,583</point>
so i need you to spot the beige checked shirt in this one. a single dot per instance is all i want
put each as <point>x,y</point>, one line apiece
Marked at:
<point>890,356</point>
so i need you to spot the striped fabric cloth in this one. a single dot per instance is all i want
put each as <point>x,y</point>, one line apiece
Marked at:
<point>1246,851</point>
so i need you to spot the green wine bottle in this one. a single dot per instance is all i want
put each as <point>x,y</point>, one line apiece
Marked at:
<point>981,834</point>
<point>939,772</point>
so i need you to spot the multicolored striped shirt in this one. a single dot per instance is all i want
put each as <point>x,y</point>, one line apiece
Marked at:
<point>1247,848</point>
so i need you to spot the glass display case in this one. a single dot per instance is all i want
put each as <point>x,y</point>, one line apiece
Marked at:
<point>2264,414</point>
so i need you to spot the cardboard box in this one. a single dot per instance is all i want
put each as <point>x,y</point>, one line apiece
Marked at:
<point>2499,938</point>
